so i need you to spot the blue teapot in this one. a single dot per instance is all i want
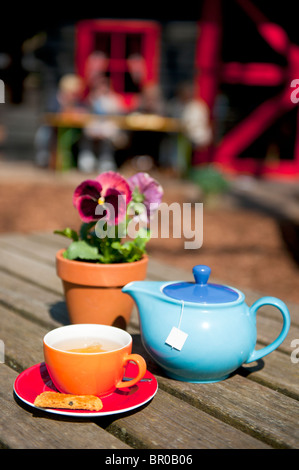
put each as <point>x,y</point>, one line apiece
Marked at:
<point>199,331</point>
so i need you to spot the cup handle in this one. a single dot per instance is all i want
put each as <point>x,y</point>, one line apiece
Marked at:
<point>258,354</point>
<point>140,362</point>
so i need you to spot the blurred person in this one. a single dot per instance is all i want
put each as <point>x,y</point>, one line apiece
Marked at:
<point>151,100</point>
<point>144,142</point>
<point>194,115</point>
<point>68,100</point>
<point>101,137</point>
<point>102,98</point>
<point>96,66</point>
<point>70,94</point>
<point>137,73</point>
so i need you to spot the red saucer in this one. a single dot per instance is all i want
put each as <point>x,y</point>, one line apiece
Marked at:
<point>35,380</point>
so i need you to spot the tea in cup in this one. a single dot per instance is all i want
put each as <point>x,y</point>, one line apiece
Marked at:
<point>90,359</point>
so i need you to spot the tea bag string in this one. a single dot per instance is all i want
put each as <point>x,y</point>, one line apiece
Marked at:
<point>181,315</point>
<point>177,337</point>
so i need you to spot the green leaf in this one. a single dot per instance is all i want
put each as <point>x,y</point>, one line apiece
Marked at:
<point>130,250</point>
<point>143,236</point>
<point>69,233</point>
<point>85,230</point>
<point>82,250</point>
<point>210,180</point>
<point>123,248</point>
<point>137,196</point>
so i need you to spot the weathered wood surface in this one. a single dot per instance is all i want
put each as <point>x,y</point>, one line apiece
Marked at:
<point>20,428</point>
<point>258,407</point>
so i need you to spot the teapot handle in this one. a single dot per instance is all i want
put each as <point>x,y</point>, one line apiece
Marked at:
<point>258,354</point>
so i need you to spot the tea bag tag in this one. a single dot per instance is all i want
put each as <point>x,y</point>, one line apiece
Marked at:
<point>176,338</point>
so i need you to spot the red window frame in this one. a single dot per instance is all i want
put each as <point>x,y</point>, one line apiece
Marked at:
<point>118,31</point>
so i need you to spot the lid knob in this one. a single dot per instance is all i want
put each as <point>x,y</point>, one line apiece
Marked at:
<point>201,274</point>
<point>201,291</point>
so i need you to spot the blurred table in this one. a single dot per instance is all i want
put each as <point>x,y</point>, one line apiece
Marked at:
<point>131,122</point>
<point>256,408</point>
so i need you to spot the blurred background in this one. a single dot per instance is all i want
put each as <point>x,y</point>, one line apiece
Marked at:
<point>202,92</point>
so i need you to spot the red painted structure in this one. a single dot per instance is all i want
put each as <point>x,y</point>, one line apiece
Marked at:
<point>120,41</point>
<point>212,71</point>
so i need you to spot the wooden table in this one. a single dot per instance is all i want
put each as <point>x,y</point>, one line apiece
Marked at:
<point>130,122</point>
<point>134,122</point>
<point>257,408</point>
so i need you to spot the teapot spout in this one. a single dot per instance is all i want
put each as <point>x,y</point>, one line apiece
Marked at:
<point>141,290</point>
<point>148,297</point>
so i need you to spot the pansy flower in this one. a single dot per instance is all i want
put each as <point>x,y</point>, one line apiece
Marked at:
<point>109,190</point>
<point>146,190</point>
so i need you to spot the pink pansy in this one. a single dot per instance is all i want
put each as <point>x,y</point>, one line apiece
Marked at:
<point>147,190</point>
<point>107,188</point>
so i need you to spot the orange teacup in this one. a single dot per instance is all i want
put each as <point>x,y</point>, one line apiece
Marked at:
<point>90,359</point>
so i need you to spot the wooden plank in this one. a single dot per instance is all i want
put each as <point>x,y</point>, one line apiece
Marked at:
<point>265,413</point>
<point>22,338</point>
<point>243,402</point>
<point>22,427</point>
<point>268,330</point>
<point>170,423</point>
<point>276,371</point>
<point>50,239</point>
<point>32,301</point>
<point>26,267</point>
<point>158,271</point>
<point>27,246</point>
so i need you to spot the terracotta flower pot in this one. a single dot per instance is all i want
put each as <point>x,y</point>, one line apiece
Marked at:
<point>93,291</point>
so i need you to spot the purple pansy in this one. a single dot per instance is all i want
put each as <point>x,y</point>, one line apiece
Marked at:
<point>149,189</point>
<point>107,188</point>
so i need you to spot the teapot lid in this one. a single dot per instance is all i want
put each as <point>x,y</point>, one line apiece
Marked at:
<point>201,291</point>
